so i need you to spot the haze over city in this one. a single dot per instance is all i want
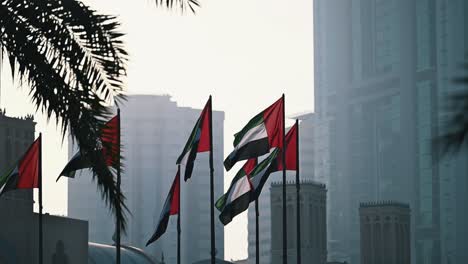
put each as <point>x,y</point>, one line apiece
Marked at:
<point>229,49</point>
<point>253,131</point>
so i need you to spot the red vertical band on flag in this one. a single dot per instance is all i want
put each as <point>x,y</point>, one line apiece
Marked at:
<point>250,165</point>
<point>204,143</point>
<point>273,118</point>
<point>29,167</point>
<point>175,192</point>
<point>110,139</point>
<point>291,147</point>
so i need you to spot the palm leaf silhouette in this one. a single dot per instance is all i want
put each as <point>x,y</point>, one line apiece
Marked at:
<point>73,60</point>
<point>456,130</point>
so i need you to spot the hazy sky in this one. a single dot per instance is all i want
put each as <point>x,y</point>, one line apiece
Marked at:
<point>245,53</point>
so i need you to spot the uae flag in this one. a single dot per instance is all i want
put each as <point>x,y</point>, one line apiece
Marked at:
<point>262,133</point>
<point>25,174</point>
<point>248,167</point>
<point>245,187</point>
<point>199,141</point>
<point>291,150</point>
<point>109,148</point>
<point>171,207</point>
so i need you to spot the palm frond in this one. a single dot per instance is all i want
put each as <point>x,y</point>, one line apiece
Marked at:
<point>74,61</point>
<point>181,4</point>
<point>455,133</point>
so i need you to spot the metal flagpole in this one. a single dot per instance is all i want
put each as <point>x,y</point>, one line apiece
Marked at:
<point>213,246</point>
<point>1,64</point>
<point>285,232</point>
<point>41,260</point>
<point>178,218</point>
<point>118,224</point>
<point>298,202</point>
<point>257,234</point>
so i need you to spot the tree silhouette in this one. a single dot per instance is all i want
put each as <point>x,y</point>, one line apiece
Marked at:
<point>74,61</point>
<point>456,130</point>
<point>182,4</point>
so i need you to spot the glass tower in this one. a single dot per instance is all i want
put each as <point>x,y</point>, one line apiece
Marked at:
<point>383,69</point>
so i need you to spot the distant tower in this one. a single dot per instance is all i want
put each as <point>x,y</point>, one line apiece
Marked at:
<point>385,233</point>
<point>313,222</point>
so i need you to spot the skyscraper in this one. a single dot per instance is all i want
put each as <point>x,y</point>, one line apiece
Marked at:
<point>154,132</point>
<point>383,69</point>
<point>307,157</point>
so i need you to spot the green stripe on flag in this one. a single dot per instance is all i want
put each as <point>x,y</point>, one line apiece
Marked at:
<point>221,202</point>
<point>6,176</point>
<point>254,122</point>
<point>190,142</point>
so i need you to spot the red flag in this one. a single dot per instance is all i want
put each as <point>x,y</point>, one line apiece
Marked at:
<point>25,174</point>
<point>291,150</point>
<point>110,138</point>
<point>204,142</point>
<point>171,207</point>
<point>175,192</point>
<point>274,123</point>
<point>250,165</point>
<point>110,150</point>
<point>28,167</point>
<point>199,141</point>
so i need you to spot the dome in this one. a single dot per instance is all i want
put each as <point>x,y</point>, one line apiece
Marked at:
<point>103,254</point>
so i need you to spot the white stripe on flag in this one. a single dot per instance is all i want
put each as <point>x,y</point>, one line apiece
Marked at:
<point>242,187</point>
<point>253,134</point>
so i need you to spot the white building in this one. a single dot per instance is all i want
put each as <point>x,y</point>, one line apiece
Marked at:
<point>306,155</point>
<point>154,132</point>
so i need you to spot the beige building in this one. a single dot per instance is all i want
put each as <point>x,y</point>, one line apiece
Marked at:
<point>313,199</point>
<point>385,233</point>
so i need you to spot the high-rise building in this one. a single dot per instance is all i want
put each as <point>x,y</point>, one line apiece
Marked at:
<point>306,156</point>
<point>385,233</point>
<point>154,132</point>
<point>383,69</point>
<point>313,200</point>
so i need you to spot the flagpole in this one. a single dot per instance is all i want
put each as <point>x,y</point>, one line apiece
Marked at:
<point>117,240</point>
<point>178,218</point>
<point>213,246</point>
<point>41,260</point>
<point>298,202</point>
<point>257,233</point>
<point>285,232</point>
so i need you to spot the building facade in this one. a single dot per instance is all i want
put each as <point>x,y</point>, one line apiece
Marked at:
<point>307,157</point>
<point>154,132</point>
<point>16,135</point>
<point>385,233</point>
<point>313,200</point>
<point>383,69</point>
<point>64,238</point>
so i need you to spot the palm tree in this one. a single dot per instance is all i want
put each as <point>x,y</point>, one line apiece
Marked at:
<point>454,139</point>
<point>74,61</point>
